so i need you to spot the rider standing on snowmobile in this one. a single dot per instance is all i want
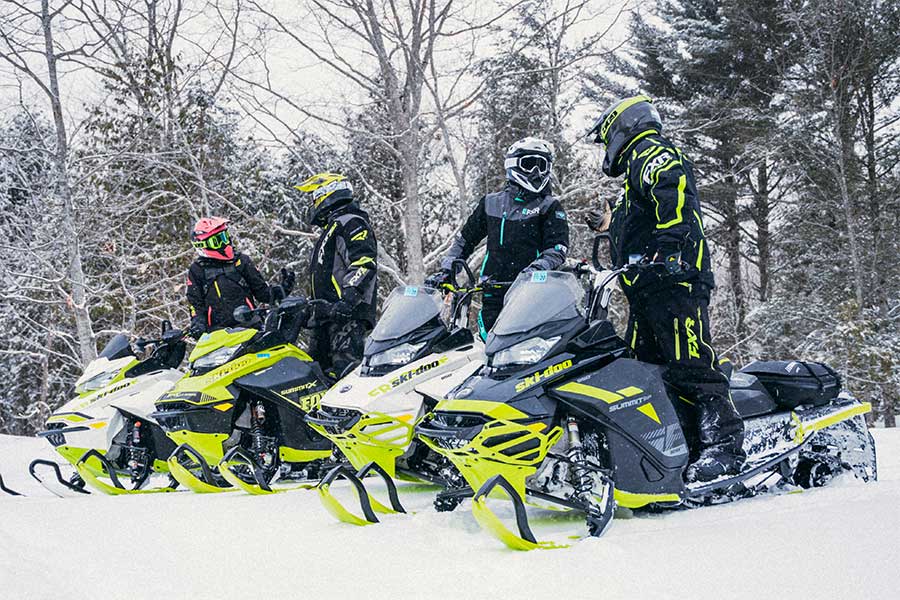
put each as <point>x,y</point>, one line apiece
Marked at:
<point>525,227</point>
<point>222,279</point>
<point>342,271</point>
<point>658,217</point>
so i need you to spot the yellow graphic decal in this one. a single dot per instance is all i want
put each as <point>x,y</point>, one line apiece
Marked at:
<point>536,378</point>
<point>599,393</point>
<point>692,345</point>
<point>362,235</point>
<point>648,410</point>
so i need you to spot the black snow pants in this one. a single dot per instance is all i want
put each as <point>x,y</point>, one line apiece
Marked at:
<point>336,347</point>
<point>671,327</point>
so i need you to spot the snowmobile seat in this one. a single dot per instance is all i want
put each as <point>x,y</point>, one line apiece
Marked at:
<point>750,396</point>
<point>793,382</point>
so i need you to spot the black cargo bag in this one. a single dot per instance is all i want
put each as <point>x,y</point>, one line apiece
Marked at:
<point>795,382</point>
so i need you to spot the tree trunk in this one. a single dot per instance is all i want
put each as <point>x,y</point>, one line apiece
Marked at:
<point>78,294</point>
<point>761,216</point>
<point>412,215</point>
<point>733,251</point>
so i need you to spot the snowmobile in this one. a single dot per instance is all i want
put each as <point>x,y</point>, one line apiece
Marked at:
<point>237,416</point>
<point>105,432</point>
<point>421,339</point>
<point>561,417</point>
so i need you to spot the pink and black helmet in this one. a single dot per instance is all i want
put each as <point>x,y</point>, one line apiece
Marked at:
<point>211,239</point>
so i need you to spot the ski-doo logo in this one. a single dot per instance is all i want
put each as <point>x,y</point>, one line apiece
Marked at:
<point>407,376</point>
<point>536,378</point>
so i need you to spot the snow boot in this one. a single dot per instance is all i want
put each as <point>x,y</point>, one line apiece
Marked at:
<point>721,432</point>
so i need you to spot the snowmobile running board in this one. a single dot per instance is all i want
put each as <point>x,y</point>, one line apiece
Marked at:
<point>368,504</point>
<point>116,489</point>
<point>205,485</point>
<point>6,489</point>
<point>238,456</point>
<point>67,484</point>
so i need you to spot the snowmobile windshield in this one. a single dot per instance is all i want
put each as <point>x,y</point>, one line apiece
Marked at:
<point>407,308</point>
<point>537,298</point>
<point>118,347</point>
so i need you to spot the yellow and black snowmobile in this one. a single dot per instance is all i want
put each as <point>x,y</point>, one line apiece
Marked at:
<point>238,416</point>
<point>420,348</point>
<point>560,417</point>
<point>106,431</point>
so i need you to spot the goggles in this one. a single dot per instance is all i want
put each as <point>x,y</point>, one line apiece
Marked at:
<point>213,242</point>
<point>529,163</point>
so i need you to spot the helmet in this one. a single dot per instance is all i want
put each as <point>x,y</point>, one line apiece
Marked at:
<point>328,191</point>
<point>619,124</point>
<point>528,163</point>
<point>211,239</point>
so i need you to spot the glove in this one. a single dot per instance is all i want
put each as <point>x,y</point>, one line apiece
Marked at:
<point>198,327</point>
<point>669,256</point>
<point>336,312</point>
<point>437,279</point>
<point>288,278</point>
<point>597,219</point>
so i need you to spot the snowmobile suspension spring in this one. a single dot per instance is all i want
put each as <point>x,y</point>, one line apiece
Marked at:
<point>256,426</point>
<point>581,479</point>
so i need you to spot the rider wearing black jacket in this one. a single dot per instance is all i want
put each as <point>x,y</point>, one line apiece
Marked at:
<point>658,218</point>
<point>525,227</point>
<point>342,272</point>
<point>222,279</point>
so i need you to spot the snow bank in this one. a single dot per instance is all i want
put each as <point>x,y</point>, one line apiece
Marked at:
<point>837,542</point>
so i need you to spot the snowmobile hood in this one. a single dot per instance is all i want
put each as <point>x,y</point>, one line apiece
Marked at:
<point>101,372</point>
<point>221,338</point>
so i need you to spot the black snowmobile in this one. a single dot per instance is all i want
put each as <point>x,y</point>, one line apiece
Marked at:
<point>562,417</point>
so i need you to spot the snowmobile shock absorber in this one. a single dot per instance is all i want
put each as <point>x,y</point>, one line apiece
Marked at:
<point>581,479</point>
<point>133,448</point>
<point>257,435</point>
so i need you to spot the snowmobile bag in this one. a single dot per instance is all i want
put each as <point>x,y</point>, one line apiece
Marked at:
<point>794,382</point>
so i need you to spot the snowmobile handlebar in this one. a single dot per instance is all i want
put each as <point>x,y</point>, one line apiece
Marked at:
<point>168,336</point>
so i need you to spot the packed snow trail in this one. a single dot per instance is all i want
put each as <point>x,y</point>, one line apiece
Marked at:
<point>841,542</point>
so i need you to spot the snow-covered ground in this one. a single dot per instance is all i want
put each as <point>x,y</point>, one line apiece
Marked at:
<point>839,542</point>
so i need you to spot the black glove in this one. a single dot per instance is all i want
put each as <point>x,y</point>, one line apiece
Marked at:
<point>198,327</point>
<point>288,278</point>
<point>437,279</point>
<point>597,219</point>
<point>336,312</point>
<point>669,255</point>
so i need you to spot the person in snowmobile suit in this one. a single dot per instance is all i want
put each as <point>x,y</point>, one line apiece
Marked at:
<point>342,271</point>
<point>525,227</point>
<point>222,279</point>
<point>658,218</point>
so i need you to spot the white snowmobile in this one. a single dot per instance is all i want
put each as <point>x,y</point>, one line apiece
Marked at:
<point>105,432</point>
<point>566,420</point>
<point>421,342</point>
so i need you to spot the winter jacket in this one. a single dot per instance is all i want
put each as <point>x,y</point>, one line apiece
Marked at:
<point>344,262</point>
<point>522,229</point>
<point>216,287</point>
<point>659,212</point>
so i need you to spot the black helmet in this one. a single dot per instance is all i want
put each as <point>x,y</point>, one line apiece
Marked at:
<point>619,124</point>
<point>328,191</point>
<point>528,164</point>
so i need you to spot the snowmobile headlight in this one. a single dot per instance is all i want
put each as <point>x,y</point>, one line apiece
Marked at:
<point>524,353</point>
<point>396,356</point>
<point>101,380</point>
<point>215,358</point>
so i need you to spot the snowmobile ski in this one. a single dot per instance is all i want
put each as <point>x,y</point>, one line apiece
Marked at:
<point>115,487</point>
<point>241,458</point>
<point>75,484</point>
<point>368,504</point>
<point>206,483</point>
<point>7,490</point>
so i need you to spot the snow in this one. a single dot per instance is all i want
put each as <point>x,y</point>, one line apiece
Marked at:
<point>836,542</point>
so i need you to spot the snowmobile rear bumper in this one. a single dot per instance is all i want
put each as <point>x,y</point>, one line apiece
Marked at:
<point>368,504</point>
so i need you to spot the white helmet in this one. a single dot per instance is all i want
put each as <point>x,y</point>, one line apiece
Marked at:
<point>529,162</point>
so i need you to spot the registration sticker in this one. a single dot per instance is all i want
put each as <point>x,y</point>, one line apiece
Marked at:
<point>411,291</point>
<point>539,277</point>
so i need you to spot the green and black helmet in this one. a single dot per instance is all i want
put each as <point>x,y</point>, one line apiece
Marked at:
<point>619,124</point>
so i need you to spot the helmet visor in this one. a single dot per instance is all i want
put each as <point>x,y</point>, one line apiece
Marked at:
<point>213,242</point>
<point>534,163</point>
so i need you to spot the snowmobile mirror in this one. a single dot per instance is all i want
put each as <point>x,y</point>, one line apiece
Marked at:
<point>243,314</point>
